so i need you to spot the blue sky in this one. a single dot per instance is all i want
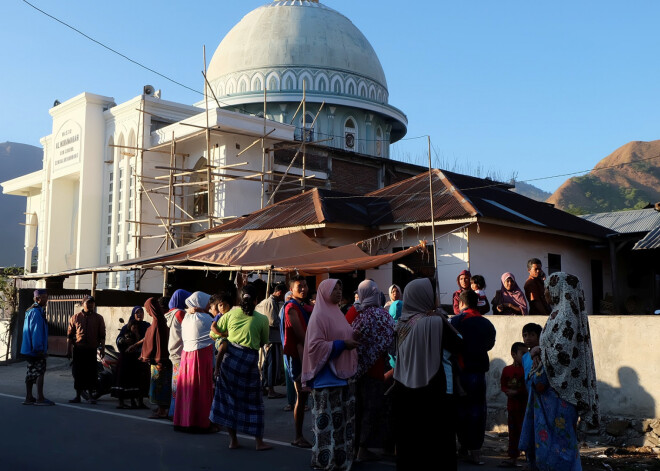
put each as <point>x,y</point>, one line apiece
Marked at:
<point>512,87</point>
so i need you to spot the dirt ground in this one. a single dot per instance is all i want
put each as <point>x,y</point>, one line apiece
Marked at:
<point>594,456</point>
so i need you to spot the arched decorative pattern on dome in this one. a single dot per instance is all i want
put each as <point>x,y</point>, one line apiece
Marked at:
<point>288,81</point>
<point>273,81</point>
<point>231,86</point>
<point>221,90</point>
<point>362,90</point>
<point>372,93</point>
<point>243,84</point>
<point>309,81</point>
<point>257,83</point>
<point>321,82</point>
<point>351,86</point>
<point>350,134</point>
<point>336,84</point>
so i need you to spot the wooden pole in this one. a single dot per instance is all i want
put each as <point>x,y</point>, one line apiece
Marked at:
<point>304,137</point>
<point>263,154</point>
<point>171,187</point>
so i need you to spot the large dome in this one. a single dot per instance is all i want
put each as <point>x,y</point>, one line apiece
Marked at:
<point>287,46</point>
<point>296,34</point>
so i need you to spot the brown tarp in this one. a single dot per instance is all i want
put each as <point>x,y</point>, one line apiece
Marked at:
<point>282,250</point>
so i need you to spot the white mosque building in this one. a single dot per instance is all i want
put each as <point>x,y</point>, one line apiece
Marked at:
<point>129,180</point>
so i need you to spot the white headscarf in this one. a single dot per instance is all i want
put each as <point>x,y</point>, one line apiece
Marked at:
<point>198,299</point>
<point>419,336</point>
<point>566,350</point>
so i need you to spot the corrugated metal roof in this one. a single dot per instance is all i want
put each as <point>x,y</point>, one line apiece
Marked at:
<point>455,196</point>
<point>650,240</point>
<point>626,222</point>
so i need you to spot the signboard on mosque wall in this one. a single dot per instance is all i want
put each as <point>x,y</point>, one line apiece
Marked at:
<point>67,145</point>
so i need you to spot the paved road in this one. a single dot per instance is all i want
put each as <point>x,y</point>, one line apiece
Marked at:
<point>100,437</point>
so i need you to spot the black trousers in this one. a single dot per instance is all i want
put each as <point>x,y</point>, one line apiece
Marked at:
<point>84,368</point>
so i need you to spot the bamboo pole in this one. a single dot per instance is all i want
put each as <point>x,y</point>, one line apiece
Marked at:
<point>435,249</point>
<point>170,187</point>
<point>209,194</point>
<point>304,137</point>
<point>263,151</point>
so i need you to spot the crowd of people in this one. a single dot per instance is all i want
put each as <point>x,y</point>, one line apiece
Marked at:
<point>398,375</point>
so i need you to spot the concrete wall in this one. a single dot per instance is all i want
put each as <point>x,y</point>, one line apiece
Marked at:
<point>626,353</point>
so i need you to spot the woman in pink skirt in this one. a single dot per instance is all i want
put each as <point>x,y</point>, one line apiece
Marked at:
<point>194,388</point>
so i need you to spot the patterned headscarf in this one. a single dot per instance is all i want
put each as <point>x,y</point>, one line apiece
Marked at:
<point>566,350</point>
<point>373,327</point>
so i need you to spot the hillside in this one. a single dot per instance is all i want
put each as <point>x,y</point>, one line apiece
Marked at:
<point>15,160</point>
<point>531,191</point>
<point>610,187</point>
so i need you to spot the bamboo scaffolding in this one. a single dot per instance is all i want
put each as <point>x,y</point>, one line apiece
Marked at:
<point>209,194</point>
<point>142,149</point>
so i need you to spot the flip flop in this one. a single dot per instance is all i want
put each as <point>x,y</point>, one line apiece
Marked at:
<point>156,416</point>
<point>28,402</point>
<point>276,396</point>
<point>45,402</point>
<point>288,408</point>
<point>75,400</point>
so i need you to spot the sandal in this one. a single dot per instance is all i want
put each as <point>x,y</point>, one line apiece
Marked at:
<point>75,400</point>
<point>29,402</point>
<point>276,396</point>
<point>301,443</point>
<point>287,408</point>
<point>45,402</point>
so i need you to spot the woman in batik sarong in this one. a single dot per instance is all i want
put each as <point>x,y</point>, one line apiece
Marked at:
<point>238,403</point>
<point>374,328</point>
<point>155,353</point>
<point>563,381</point>
<point>329,364</point>
<point>194,386</point>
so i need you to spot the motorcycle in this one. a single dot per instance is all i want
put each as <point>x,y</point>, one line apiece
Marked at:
<point>106,367</point>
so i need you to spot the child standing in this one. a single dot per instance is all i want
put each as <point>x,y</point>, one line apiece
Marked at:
<point>478,285</point>
<point>512,383</point>
<point>531,333</point>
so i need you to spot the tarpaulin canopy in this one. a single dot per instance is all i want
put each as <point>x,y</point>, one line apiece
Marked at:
<point>280,250</point>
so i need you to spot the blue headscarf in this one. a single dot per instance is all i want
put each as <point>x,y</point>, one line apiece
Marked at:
<point>178,299</point>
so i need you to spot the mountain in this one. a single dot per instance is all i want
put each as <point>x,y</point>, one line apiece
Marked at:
<point>531,191</point>
<point>15,160</point>
<point>628,178</point>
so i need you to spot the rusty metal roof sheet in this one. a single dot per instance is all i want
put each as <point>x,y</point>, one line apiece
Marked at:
<point>455,196</point>
<point>649,241</point>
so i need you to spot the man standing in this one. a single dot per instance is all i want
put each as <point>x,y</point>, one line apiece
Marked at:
<point>86,333</point>
<point>296,317</point>
<point>272,351</point>
<point>535,289</point>
<point>35,348</point>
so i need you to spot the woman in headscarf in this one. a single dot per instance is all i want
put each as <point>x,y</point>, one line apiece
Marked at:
<point>290,388</point>
<point>195,382</point>
<point>128,367</point>
<point>424,388</point>
<point>509,299</point>
<point>463,281</point>
<point>155,353</point>
<point>329,363</point>
<point>174,317</point>
<point>374,328</point>
<point>563,380</point>
<point>395,295</point>
<point>238,403</point>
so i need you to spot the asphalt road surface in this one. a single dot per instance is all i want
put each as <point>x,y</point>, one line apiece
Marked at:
<point>100,437</point>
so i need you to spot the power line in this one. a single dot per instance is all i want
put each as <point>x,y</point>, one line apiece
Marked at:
<point>111,49</point>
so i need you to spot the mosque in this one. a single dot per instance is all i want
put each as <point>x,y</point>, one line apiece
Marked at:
<point>296,98</point>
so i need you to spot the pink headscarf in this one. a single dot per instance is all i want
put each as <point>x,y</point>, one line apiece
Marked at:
<point>515,296</point>
<point>327,324</point>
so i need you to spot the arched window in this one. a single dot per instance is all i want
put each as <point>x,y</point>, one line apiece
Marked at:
<point>199,203</point>
<point>350,135</point>
<point>256,84</point>
<point>379,142</point>
<point>336,86</point>
<point>272,84</point>
<point>288,85</point>
<point>351,89</point>
<point>243,86</point>
<point>323,85</point>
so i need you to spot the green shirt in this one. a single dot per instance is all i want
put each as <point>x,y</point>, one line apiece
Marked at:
<point>248,331</point>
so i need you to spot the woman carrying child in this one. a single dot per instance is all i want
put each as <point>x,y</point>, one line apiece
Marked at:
<point>563,380</point>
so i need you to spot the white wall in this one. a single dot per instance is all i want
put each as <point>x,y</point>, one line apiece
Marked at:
<point>626,354</point>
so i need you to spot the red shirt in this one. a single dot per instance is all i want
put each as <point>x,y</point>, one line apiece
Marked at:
<point>513,377</point>
<point>291,342</point>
